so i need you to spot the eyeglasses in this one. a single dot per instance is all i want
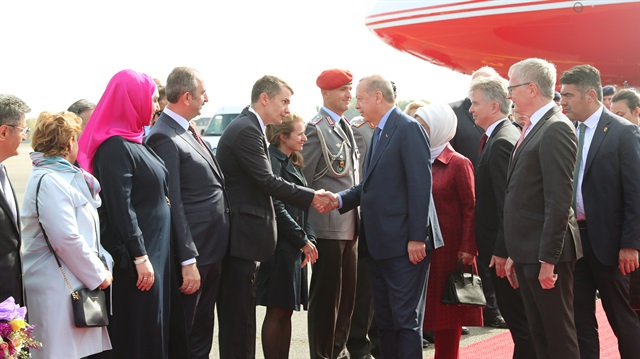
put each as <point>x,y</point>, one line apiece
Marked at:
<point>23,130</point>
<point>510,88</point>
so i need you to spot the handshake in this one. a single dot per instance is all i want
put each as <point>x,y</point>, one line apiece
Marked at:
<point>324,201</point>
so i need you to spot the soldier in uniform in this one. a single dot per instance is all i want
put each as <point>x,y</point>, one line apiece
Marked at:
<point>363,335</point>
<point>331,162</point>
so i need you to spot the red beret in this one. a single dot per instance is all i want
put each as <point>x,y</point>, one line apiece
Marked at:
<point>334,78</point>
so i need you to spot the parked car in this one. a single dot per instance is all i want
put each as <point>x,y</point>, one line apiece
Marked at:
<point>218,123</point>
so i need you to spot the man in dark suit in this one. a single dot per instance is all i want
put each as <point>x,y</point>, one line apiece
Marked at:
<point>13,130</point>
<point>330,162</point>
<point>394,202</point>
<point>466,142</point>
<point>540,229</point>
<point>489,107</point>
<point>199,205</point>
<point>250,182</point>
<point>607,204</point>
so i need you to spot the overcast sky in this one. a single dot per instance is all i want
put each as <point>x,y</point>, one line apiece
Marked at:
<point>55,52</point>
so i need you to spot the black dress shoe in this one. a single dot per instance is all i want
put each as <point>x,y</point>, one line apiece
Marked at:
<point>465,330</point>
<point>496,322</point>
<point>425,344</point>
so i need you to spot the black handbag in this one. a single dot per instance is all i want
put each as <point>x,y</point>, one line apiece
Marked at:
<point>89,306</point>
<point>464,289</point>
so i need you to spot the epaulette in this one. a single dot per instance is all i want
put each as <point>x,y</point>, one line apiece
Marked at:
<point>357,122</point>
<point>316,120</point>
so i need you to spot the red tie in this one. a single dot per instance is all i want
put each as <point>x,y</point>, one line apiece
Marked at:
<point>483,141</point>
<point>524,131</point>
<point>197,136</point>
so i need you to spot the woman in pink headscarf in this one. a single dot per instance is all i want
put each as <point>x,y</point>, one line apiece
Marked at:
<point>454,199</point>
<point>134,216</point>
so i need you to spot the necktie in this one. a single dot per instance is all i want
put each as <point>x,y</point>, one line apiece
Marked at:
<point>483,140</point>
<point>576,173</point>
<point>197,136</point>
<point>374,140</point>
<point>8,194</point>
<point>524,132</point>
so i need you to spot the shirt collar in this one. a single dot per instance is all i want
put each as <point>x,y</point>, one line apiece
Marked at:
<point>336,118</point>
<point>383,120</point>
<point>538,114</point>
<point>592,121</point>
<point>262,125</point>
<point>179,119</point>
<point>493,126</point>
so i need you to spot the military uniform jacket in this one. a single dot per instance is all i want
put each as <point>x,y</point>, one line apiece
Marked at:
<point>331,163</point>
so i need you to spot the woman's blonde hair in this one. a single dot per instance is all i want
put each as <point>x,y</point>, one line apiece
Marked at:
<point>53,133</point>
<point>273,133</point>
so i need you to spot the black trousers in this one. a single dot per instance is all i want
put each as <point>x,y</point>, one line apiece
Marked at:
<point>591,275</point>
<point>199,311</point>
<point>550,311</point>
<point>514,314</point>
<point>237,308</point>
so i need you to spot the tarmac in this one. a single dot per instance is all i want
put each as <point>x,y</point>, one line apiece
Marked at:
<point>19,170</point>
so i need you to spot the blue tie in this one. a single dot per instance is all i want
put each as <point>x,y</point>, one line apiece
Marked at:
<point>576,173</point>
<point>375,139</point>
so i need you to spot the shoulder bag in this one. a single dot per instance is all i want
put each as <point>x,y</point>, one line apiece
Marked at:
<point>89,306</point>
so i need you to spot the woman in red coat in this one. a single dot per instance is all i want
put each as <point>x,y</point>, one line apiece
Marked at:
<point>454,198</point>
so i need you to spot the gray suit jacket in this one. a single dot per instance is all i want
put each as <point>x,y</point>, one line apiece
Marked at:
<point>539,223</point>
<point>10,265</point>
<point>199,205</point>
<point>330,163</point>
<point>611,188</point>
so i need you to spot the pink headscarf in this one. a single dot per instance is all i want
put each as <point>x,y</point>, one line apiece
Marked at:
<point>123,110</point>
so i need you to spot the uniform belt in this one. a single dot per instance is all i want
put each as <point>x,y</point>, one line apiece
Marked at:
<point>582,224</point>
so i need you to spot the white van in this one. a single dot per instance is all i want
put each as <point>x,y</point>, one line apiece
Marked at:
<point>218,123</point>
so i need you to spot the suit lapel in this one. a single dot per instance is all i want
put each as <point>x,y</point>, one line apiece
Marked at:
<point>191,141</point>
<point>4,205</point>
<point>385,137</point>
<point>495,133</point>
<point>541,123</point>
<point>598,138</point>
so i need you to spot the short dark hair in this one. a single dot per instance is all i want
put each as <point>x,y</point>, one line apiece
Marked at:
<point>81,106</point>
<point>630,97</point>
<point>269,85</point>
<point>584,77</point>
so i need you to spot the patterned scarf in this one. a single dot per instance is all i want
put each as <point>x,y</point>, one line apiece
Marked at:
<point>59,164</point>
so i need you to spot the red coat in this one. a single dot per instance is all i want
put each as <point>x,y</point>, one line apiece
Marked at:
<point>454,198</point>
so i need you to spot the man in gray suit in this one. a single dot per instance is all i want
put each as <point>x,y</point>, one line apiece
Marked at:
<point>13,130</point>
<point>489,107</point>
<point>607,204</point>
<point>199,204</point>
<point>330,159</point>
<point>540,229</point>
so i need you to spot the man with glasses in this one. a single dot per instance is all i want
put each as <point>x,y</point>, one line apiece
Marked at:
<point>13,130</point>
<point>540,230</point>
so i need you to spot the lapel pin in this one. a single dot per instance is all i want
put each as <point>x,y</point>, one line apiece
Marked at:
<point>606,129</point>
